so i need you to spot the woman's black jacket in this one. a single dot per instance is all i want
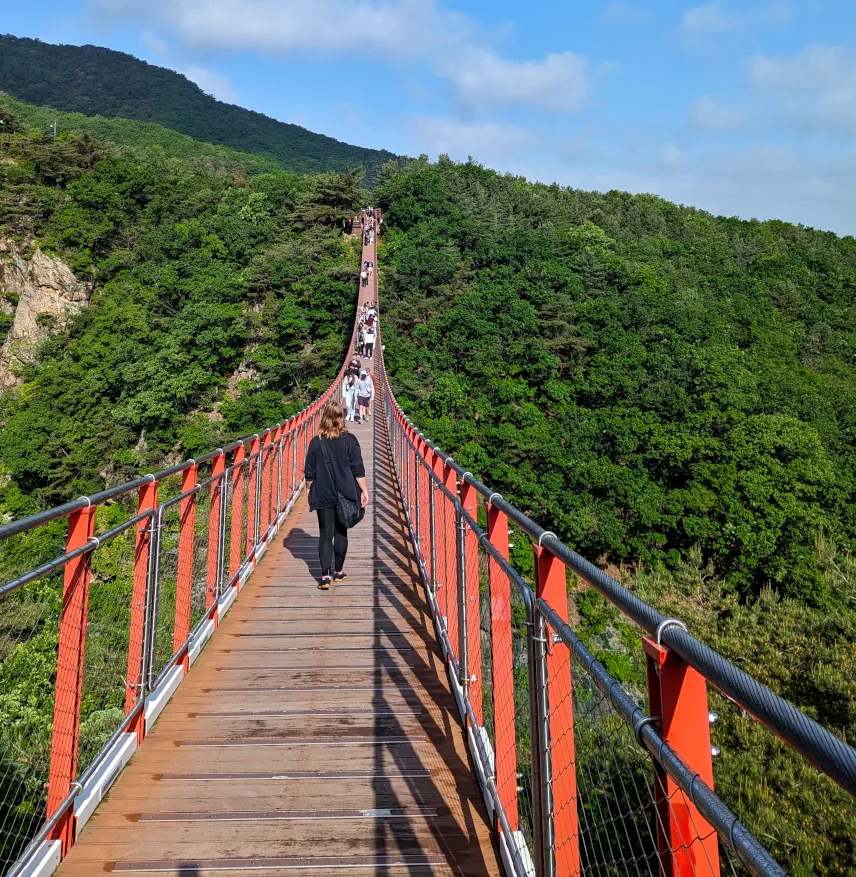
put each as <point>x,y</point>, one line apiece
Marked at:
<point>346,459</point>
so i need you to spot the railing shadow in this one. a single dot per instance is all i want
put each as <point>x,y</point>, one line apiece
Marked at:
<point>454,833</point>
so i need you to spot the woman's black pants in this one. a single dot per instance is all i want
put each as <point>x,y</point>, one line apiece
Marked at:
<point>332,541</point>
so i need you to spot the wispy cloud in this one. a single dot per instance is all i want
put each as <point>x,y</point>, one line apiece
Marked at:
<point>815,89</point>
<point>210,82</point>
<point>409,31</point>
<point>487,141</point>
<point>623,13</point>
<point>479,78</point>
<point>715,20</point>
<point>711,115</point>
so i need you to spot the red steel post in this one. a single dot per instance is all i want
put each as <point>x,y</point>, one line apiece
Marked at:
<point>472,580</point>
<point>551,586</point>
<point>687,844</point>
<point>237,525</point>
<point>504,733</point>
<point>69,673</point>
<point>184,575</point>
<point>218,469</point>
<point>148,501</point>
<point>450,582</point>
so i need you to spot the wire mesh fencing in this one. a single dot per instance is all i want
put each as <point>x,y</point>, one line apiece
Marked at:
<point>29,633</point>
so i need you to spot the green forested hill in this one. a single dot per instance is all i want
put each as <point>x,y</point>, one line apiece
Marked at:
<point>204,272</point>
<point>650,377</point>
<point>101,82</point>
<point>674,394</point>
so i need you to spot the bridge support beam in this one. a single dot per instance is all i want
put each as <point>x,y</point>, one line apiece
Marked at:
<point>687,844</point>
<point>69,673</point>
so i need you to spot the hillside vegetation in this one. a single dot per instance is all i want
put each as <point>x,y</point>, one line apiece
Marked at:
<point>223,296</point>
<point>674,394</point>
<point>101,82</point>
<point>222,300</point>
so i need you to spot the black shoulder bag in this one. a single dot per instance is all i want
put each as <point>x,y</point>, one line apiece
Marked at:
<point>350,513</point>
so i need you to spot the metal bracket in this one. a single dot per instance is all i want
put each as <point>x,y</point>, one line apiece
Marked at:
<point>546,533</point>
<point>669,622</point>
<point>648,720</point>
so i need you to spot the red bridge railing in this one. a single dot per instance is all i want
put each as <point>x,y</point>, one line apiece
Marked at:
<point>580,774</point>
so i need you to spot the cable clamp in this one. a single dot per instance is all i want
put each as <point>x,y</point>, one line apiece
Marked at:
<point>150,476</point>
<point>546,533</point>
<point>463,477</point>
<point>95,540</point>
<point>490,498</point>
<point>669,622</point>
<point>648,720</point>
<point>191,461</point>
<point>88,501</point>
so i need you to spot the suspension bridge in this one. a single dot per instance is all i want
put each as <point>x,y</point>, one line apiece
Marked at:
<point>433,714</point>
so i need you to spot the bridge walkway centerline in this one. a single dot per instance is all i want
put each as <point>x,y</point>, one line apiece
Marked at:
<point>316,733</point>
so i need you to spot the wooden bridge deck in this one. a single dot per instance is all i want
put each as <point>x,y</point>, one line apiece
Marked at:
<point>315,734</point>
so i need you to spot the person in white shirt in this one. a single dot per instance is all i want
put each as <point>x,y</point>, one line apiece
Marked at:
<point>370,341</point>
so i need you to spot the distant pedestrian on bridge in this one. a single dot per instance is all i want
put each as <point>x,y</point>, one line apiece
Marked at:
<point>365,394</point>
<point>334,465</point>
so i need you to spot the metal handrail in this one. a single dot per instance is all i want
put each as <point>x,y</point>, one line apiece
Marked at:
<point>819,746</point>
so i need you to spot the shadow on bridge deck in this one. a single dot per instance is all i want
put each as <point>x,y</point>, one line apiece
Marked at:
<point>315,734</point>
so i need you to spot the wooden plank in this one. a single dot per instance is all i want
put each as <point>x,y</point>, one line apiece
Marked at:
<point>313,704</point>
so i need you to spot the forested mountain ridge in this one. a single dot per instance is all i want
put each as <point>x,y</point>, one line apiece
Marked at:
<point>96,81</point>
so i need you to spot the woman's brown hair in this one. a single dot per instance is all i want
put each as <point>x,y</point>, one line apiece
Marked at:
<point>332,420</point>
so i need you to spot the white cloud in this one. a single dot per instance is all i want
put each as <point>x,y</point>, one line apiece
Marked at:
<point>712,20</point>
<point>622,13</point>
<point>815,89</point>
<point>486,141</point>
<point>711,115</point>
<point>670,156</point>
<point>417,31</point>
<point>210,82</point>
<point>479,78</point>
<point>154,43</point>
<point>401,28</point>
<point>708,19</point>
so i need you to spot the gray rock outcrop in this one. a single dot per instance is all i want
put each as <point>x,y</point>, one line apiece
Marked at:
<point>45,294</point>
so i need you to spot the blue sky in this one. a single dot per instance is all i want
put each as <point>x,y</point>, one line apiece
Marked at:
<point>744,108</point>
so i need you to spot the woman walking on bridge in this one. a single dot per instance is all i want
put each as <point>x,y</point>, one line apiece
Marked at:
<point>334,466</point>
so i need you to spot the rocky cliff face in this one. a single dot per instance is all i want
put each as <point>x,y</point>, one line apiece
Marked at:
<point>44,294</point>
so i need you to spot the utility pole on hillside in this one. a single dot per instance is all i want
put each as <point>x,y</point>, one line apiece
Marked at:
<point>53,127</point>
